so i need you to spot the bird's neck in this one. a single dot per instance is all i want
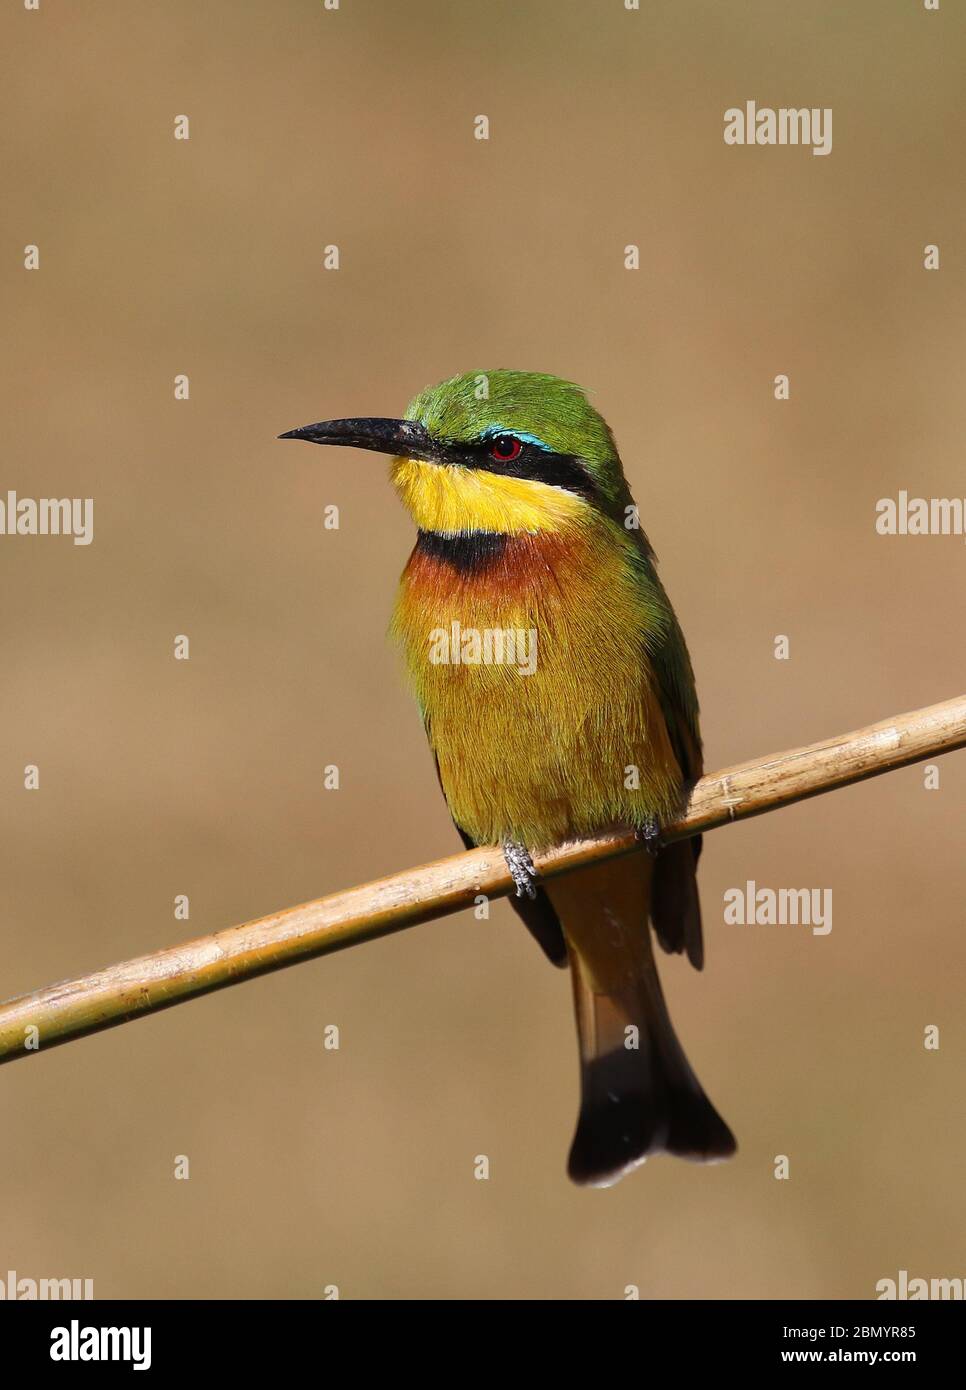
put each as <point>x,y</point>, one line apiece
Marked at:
<point>448,500</point>
<point>464,552</point>
<point>492,565</point>
<point>490,577</point>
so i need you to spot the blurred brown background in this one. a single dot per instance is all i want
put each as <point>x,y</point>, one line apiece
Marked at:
<point>158,257</point>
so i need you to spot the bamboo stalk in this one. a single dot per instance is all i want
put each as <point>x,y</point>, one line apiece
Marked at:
<point>74,1008</point>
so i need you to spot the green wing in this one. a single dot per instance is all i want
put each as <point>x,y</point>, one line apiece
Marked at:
<point>675,908</point>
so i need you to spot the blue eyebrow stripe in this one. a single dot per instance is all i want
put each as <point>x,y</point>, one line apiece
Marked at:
<point>492,430</point>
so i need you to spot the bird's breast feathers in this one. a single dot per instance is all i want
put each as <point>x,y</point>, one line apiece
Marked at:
<point>528,654</point>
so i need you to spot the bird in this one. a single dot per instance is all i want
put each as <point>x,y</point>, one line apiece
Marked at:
<point>559,701</point>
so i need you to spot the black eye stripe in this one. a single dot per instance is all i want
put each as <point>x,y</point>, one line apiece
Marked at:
<point>532,463</point>
<point>539,466</point>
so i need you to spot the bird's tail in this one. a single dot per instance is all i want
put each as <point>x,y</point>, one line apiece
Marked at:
<point>638,1093</point>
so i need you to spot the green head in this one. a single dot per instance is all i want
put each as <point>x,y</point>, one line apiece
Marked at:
<point>499,450</point>
<point>553,416</point>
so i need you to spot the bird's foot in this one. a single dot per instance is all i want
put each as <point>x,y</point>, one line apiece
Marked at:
<point>521,868</point>
<point>649,835</point>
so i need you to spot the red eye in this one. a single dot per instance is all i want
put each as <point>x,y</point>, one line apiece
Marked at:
<point>504,448</point>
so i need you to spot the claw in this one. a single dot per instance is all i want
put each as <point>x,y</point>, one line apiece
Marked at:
<point>521,868</point>
<point>649,834</point>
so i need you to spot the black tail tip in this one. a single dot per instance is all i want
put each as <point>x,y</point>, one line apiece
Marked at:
<point>618,1132</point>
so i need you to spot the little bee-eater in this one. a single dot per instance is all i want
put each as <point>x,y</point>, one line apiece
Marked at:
<point>527,529</point>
